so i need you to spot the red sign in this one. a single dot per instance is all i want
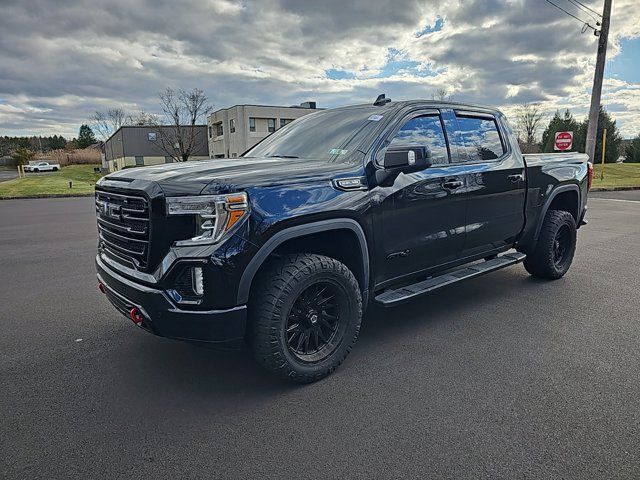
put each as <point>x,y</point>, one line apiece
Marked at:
<point>564,141</point>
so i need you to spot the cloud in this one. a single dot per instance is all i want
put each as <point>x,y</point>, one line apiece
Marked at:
<point>62,60</point>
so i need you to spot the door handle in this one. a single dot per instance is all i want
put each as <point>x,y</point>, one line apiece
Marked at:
<point>452,184</point>
<point>517,177</point>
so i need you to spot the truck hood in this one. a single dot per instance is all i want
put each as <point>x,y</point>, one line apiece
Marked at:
<point>228,175</point>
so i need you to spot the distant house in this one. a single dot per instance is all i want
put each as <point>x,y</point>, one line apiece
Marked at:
<point>137,145</point>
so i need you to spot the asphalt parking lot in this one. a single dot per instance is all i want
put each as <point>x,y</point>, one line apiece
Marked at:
<point>500,377</point>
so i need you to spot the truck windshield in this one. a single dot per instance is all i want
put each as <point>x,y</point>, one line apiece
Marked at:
<point>322,135</point>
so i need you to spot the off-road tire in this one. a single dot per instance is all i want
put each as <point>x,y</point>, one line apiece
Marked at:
<point>273,298</point>
<point>558,226</point>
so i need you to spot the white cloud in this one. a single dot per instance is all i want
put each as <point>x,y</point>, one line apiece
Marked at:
<point>80,56</point>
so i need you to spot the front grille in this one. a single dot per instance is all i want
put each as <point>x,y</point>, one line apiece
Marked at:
<point>124,226</point>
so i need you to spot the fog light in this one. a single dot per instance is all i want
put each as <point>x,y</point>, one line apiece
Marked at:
<point>197,281</point>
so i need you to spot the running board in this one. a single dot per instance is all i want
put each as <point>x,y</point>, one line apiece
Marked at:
<point>392,297</point>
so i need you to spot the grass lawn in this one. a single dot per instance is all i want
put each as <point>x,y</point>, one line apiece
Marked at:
<point>52,183</point>
<point>617,175</point>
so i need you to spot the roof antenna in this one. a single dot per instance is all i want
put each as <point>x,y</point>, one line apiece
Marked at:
<point>381,100</point>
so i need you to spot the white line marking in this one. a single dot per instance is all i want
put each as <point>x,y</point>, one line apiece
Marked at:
<point>615,200</point>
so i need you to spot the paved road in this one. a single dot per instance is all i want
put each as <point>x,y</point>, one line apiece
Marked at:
<point>500,377</point>
<point>7,173</point>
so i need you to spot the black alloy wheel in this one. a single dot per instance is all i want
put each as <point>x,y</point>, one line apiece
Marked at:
<point>561,247</point>
<point>304,316</point>
<point>556,245</point>
<point>314,328</point>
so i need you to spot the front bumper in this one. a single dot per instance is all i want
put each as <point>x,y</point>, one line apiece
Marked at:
<point>163,318</point>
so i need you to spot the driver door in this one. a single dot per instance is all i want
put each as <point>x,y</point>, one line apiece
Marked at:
<point>423,213</point>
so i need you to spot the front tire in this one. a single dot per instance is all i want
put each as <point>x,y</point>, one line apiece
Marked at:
<point>555,248</point>
<point>304,316</point>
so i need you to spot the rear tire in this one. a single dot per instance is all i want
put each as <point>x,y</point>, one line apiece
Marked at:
<point>556,246</point>
<point>55,169</point>
<point>304,316</point>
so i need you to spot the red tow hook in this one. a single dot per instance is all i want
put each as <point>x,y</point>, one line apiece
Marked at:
<point>136,316</point>
<point>102,288</point>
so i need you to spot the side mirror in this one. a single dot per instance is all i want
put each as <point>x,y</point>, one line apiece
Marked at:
<point>402,160</point>
<point>410,159</point>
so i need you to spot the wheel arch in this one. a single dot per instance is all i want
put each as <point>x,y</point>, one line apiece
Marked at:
<point>313,235</point>
<point>563,197</point>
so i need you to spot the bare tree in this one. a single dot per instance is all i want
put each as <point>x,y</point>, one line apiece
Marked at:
<point>529,118</point>
<point>106,123</point>
<point>182,110</point>
<point>442,94</point>
<point>142,118</point>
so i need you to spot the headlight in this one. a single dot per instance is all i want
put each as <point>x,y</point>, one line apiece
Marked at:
<point>216,215</point>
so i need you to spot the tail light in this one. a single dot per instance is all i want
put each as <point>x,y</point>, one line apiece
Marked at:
<point>590,176</point>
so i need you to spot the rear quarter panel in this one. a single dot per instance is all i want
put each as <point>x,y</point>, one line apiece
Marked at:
<point>548,175</point>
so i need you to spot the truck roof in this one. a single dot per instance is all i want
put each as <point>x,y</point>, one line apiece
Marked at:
<point>398,105</point>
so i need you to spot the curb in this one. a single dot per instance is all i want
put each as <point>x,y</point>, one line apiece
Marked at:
<point>62,195</point>
<point>613,189</point>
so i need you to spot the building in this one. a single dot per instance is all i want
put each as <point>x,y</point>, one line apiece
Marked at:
<point>234,130</point>
<point>138,145</point>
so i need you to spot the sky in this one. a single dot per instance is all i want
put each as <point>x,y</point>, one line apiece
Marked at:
<point>60,61</point>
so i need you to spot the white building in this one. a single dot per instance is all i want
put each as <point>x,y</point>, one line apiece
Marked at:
<point>234,130</point>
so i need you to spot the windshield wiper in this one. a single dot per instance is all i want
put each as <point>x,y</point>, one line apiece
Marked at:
<point>282,156</point>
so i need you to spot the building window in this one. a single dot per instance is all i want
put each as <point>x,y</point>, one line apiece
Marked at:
<point>232,126</point>
<point>284,121</point>
<point>218,127</point>
<point>152,136</point>
<point>252,124</point>
<point>139,160</point>
<point>271,125</point>
<point>168,159</point>
<point>234,155</point>
<point>210,131</point>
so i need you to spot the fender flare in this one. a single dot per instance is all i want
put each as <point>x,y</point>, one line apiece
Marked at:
<point>554,193</point>
<point>299,231</point>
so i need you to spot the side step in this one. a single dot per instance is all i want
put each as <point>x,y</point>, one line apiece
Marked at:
<point>392,297</point>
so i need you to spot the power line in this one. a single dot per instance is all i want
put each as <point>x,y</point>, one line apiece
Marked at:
<point>590,9</point>
<point>585,24</point>
<point>577,4</point>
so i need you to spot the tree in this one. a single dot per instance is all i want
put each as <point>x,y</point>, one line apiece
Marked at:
<point>182,111</point>
<point>442,94</point>
<point>529,118</point>
<point>142,118</point>
<point>561,123</point>
<point>632,153</point>
<point>614,139</point>
<point>85,136</point>
<point>106,123</point>
<point>22,156</point>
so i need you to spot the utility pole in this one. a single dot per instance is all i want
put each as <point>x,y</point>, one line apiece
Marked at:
<point>596,93</point>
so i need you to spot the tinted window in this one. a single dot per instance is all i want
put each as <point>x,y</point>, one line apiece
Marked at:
<point>423,131</point>
<point>479,139</point>
<point>329,134</point>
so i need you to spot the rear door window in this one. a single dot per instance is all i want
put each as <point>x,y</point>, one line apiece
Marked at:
<point>478,139</point>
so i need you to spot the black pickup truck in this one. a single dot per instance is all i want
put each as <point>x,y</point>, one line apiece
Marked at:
<point>285,247</point>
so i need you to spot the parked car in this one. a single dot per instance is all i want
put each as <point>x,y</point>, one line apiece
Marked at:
<point>42,167</point>
<point>285,247</point>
